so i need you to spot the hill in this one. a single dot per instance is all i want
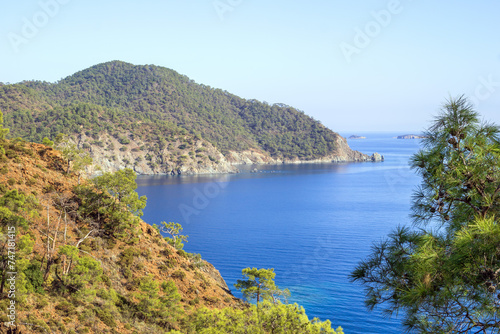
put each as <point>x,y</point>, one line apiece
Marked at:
<point>103,288</point>
<point>154,120</point>
<point>76,258</point>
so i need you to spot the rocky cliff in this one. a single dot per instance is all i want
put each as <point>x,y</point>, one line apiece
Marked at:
<point>201,157</point>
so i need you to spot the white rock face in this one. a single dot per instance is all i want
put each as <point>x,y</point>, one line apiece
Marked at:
<point>200,158</point>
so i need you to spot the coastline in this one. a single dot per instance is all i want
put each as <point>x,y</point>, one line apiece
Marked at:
<point>236,168</point>
<point>222,164</point>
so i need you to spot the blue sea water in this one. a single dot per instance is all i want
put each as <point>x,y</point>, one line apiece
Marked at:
<point>312,223</point>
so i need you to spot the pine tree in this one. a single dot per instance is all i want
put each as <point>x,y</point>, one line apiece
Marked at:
<point>442,274</point>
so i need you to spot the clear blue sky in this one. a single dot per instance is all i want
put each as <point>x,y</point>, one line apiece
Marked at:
<point>336,60</point>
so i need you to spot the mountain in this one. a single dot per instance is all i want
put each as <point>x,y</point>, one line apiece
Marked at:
<point>154,120</point>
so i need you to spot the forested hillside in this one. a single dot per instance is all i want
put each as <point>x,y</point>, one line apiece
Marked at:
<point>161,117</point>
<point>75,257</point>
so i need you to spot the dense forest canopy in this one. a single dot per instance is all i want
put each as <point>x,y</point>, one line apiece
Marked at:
<point>159,105</point>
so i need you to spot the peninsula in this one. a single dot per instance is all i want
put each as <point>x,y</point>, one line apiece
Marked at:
<point>156,121</point>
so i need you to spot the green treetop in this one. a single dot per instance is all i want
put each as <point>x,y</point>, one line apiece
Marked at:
<point>174,229</point>
<point>260,283</point>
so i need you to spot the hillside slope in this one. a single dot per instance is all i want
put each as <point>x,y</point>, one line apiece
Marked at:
<point>76,258</point>
<point>154,120</point>
<point>133,284</point>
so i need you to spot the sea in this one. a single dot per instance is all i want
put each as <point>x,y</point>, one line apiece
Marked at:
<point>312,223</point>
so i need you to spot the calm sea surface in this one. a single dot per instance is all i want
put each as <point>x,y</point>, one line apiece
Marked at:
<point>312,223</point>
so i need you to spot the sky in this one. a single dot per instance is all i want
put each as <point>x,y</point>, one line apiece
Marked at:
<point>356,66</point>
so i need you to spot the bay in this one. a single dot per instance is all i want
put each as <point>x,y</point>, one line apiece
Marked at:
<point>312,223</point>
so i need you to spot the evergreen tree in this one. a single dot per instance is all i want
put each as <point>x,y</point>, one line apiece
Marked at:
<point>442,276</point>
<point>174,229</point>
<point>260,283</point>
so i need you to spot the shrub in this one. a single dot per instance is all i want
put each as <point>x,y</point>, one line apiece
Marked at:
<point>48,189</point>
<point>106,317</point>
<point>34,278</point>
<point>66,308</point>
<point>31,182</point>
<point>124,141</point>
<point>127,257</point>
<point>194,301</point>
<point>182,253</point>
<point>179,274</point>
<point>11,154</point>
<point>168,263</point>
<point>166,251</point>
<point>47,142</point>
<point>110,243</point>
<point>212,300</point>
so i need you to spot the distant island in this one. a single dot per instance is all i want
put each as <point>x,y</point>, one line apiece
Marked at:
<point>411,137</point>
<point>356,137</point>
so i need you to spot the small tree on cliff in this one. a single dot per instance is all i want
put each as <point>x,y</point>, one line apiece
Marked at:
<point>260,283</point>
<point>113,202</point>
<point>174,229</point>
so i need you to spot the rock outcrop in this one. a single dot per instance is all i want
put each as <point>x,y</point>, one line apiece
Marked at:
<point>110,156</point>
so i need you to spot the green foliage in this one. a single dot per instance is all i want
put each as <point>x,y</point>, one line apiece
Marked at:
<point>196,260</point>
<point>34,278</point>
<point>106,317</point>
<point>75,271</point>
<point>74,156</point>
<point>115,205</point>
<point>121,186</point>
<point>260,283</point>
<point>268,317</point>
<point>3,131</point>
<point>174,229</point>
<point>128,256</point>
<point>160,306</point>
<point>66,308</point>
<point>47,142</point>
<point>179,274</point>
<point>443,275</point>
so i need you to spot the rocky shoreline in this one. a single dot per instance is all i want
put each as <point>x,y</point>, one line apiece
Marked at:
<point>221,164</point>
